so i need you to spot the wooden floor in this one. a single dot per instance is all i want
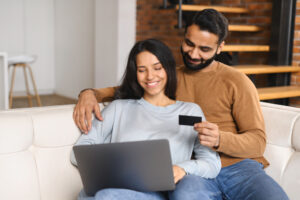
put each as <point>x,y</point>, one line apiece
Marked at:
<point>47,100</point>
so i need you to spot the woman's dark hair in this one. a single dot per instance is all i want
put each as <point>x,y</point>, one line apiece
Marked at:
<point>212,21</point>
<point>130,88</point>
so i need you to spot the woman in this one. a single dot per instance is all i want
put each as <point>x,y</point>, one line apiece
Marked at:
<point>145,108</point>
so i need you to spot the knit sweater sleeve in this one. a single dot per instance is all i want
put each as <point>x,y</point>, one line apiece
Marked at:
<point>206,162</point>
<point>250,140</point>
<point>105,94</point>
<point>100,132</point>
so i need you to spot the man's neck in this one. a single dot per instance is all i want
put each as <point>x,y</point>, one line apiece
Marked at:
<point>210,67</point>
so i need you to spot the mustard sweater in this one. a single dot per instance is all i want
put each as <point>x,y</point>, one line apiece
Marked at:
<point>229,99</point>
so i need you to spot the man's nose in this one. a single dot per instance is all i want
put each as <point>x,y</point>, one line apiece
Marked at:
<point>195,54</point>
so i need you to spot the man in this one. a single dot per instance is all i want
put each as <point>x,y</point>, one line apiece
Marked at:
<point>229,100</point>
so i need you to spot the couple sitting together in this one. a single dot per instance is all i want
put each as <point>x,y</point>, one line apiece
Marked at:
<point>219,158</point>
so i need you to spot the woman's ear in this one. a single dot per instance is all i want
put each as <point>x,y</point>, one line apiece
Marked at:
<point>221,47</point>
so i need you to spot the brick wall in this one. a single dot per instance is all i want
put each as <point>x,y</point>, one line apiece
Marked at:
<point>295,78</point>
<point>155,22</point>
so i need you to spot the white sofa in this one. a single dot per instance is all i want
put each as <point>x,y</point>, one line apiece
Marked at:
<point>35,149</point>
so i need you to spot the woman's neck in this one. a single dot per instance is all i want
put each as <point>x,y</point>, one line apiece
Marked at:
<point>159,100</point>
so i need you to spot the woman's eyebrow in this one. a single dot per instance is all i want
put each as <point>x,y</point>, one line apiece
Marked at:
<point>156,63</point>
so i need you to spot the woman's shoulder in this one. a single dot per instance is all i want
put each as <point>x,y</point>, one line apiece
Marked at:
<point>190,105</point>
<point>122,102</point>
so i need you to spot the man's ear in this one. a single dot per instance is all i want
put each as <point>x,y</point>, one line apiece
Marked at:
<point>221,47</point>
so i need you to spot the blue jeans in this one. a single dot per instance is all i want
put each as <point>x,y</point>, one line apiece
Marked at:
<point>116,194</point>
<point>245,180</point>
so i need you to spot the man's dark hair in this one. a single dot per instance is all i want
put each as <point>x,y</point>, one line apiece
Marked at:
<point>130,88</point>
<point>212,21</point>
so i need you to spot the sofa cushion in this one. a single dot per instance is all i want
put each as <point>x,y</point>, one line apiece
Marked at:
<point>54,128</point>
<point>279,126</point>
<point>296,134</point>
<point>19,178</point>
<point>58,178</point>
<point>291,177</point>
<point>16,132</point>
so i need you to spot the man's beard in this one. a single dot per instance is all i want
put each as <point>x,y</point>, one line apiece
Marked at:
<point>202,65</point>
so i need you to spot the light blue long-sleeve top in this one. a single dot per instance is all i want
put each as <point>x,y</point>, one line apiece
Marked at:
<point>136,120</point>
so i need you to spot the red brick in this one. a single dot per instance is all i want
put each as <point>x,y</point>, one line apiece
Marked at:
<point>297,34</point>
<point>260,20</point>
<point>259,6</point>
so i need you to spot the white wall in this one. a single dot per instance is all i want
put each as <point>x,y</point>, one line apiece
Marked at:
<point>126,32</point>
<point>92,42</point>
<point>79,43</point>
<point>115,36</point>
<point>27,28</point>
<point>74,46</point>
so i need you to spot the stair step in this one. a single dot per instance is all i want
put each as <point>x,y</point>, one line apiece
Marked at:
<point>222,9</point>
<point>278,92</point>
<point>266,69</point>
<point>244,28</point>
<point>246,48</point>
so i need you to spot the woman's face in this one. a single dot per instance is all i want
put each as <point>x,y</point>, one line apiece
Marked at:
<point>151,75</point>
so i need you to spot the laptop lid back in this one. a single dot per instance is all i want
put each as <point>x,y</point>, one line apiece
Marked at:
<point>141,166</point>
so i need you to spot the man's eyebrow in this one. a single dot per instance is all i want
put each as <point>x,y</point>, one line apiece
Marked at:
<point>187,40</point>
<point>206,47</point>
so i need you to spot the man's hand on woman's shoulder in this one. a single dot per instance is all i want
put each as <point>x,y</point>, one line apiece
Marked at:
<point>86,105</point>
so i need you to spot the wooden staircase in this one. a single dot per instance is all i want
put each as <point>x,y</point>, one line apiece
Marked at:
<point>278,92</point>
<point>265,93</point>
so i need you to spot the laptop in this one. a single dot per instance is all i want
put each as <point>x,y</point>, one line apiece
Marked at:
<point>141,166</point>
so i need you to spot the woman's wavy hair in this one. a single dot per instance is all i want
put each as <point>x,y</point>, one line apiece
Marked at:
<point>130,88</point>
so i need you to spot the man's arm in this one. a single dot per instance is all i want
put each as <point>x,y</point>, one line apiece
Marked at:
<point>250,139</point>
<point>87,104</point>
<point>250,142</point>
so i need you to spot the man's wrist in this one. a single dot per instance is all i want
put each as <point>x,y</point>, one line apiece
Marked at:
<point>87,89</point>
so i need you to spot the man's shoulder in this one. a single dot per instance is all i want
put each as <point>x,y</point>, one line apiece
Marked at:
<point>229,73</point>
<point>230,70</point>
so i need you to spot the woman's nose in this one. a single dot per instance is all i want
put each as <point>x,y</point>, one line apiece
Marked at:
<point>149,75</point>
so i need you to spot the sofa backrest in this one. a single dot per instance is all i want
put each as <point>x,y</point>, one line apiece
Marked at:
<point>283,146</point>
<point>35,147</point>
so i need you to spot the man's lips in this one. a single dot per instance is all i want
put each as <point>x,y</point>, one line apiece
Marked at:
<point>193,61</point>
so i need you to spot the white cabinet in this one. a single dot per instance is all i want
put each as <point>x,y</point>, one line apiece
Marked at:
<point>3,81</point>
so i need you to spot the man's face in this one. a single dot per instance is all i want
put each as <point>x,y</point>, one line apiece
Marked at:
<point>199,46</point>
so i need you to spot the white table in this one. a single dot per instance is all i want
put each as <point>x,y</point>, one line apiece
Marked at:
<point>3,81</point>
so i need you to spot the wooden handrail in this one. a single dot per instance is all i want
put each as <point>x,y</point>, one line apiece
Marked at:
<point>244,28</point>
<point>266,69</point>
<point>218,8</point>
<point>278,92</point>
<point>246,48</point>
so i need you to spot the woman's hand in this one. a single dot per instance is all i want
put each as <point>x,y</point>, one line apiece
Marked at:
<point>178,173</point>
<point>86,105</point>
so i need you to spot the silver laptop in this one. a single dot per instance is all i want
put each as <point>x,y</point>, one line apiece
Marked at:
<point>142,166</point>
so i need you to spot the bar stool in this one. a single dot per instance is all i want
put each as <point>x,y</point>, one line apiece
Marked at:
<point>23,61</point>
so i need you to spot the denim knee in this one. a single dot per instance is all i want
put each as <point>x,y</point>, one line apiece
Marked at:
<point>195,187</point>
<point>107,194</point>
<point>83,196</point>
